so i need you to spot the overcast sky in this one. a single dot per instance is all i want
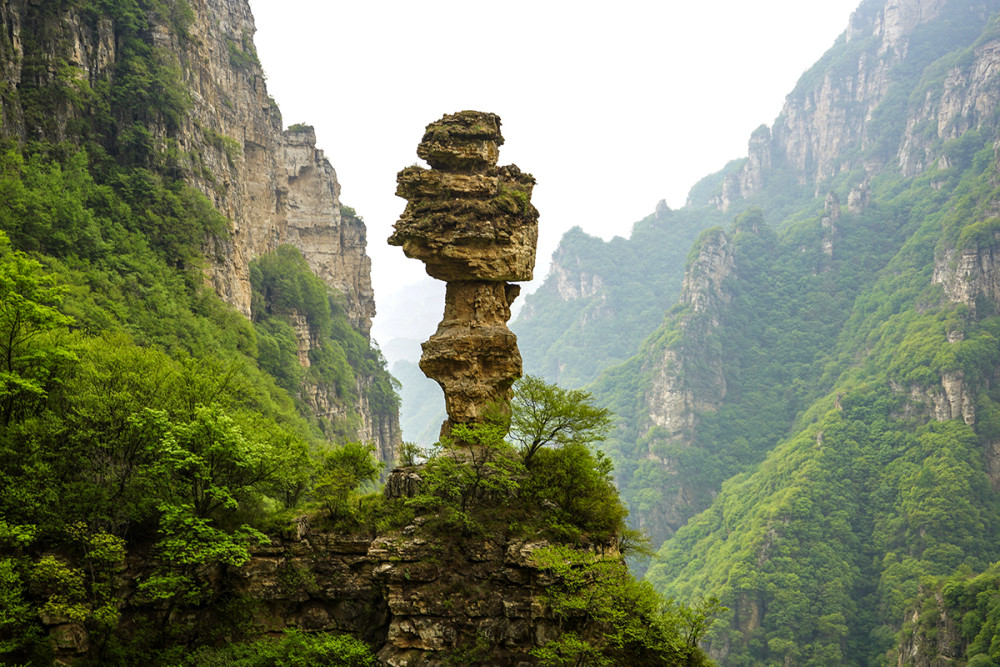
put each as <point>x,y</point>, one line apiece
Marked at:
<point>611,106</point>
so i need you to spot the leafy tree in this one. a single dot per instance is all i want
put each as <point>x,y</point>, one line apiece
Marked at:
<point>576,487</point>
<point>29,312</point>
<point>188,548</point>
<point>342,471</point>
<point>606,617</point>
<point>18,617</point>
<point>544,414</point>
<point>293,649</point>
<point>471,476</point>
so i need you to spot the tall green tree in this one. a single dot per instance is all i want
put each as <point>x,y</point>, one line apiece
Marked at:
<point>544,414</point>
<point>29,313</point>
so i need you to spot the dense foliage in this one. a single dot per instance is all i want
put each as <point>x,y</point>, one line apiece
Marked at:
<point>286,293</point>
<point>956,618</point>
<point>558,488</point>
<point>144,422</point>
<point>843,404</point>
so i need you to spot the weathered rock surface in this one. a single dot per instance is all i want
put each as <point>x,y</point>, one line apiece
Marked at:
<point>473,355</point>
<point>970,275</point>
<point>466,218</point>
<point>473,225</point>
<point>675,399</point>
<point>417,599</point>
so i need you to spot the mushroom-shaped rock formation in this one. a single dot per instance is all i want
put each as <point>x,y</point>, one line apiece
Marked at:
<point>473,225</point>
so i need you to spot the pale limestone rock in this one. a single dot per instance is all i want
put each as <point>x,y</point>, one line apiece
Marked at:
<point>952,399</point>
<point>819,122</point>
<point>672,403</point>
<point>758,160</point>
<point>858,199</point>
<point>466,218</point>
<point>275,187</point>
<point>966,100</point>
<point>828,223</point>
<point>969,275</point>
<point>898,19</point>
<point>473,355</point>
<point>703,289</point>
<point>575,284</point>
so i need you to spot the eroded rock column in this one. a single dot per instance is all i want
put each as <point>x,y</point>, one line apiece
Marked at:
<point>473,225</point>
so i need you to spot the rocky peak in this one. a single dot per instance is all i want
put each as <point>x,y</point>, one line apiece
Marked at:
<point>832,108</point>
<point>330,237</point>
<point>704,287</point>
<point>898,19</point>
<point>758,160</point>
<point>473,225</point>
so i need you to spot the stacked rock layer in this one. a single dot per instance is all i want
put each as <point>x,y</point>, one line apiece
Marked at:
<point>473,225</point>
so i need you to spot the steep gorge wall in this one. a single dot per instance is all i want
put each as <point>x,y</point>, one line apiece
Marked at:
<point>836,120</point>
<point>274,186</point>
<point>416,598</point>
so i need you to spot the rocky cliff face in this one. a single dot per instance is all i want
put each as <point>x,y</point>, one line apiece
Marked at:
<point>686,378</point>
<point>414,598</point>
<point>274,186</point>
<point>417,600</point>
<point>673,402</point>
<point>830,123</point>
<point>970,276</point>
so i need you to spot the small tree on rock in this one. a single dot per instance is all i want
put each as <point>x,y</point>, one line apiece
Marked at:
<point>544,414</point>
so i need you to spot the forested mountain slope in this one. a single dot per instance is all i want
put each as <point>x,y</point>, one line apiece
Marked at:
<point>144,162</point>
<point>816,417</point>
<point>184,317</point>
<point>601,298</point>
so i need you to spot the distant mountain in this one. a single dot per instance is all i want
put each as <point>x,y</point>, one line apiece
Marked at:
<point>811,430</point>
<point>600,299</point>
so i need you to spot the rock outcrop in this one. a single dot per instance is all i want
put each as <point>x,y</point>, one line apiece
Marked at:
<point>970,275</point>
<point>416,599</point>
<point>673,403</point>
<point>473,225</point>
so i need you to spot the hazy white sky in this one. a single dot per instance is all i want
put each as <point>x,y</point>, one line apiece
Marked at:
<point>612,106</point>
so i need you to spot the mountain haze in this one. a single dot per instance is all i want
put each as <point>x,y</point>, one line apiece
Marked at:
<point>810,430</point>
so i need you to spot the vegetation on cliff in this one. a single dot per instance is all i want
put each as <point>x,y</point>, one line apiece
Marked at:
<point>605,297</point>
<point>548,485</point>
<point>145,425</point>
<point>817,418</point>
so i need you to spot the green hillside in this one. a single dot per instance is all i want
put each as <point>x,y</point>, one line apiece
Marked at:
<point>569,335</point>
<point>811,431</point>
<point>139,412</point>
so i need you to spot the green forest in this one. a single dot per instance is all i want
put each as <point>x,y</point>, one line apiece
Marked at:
<point>156,445</point>
<point>140,415</point>
<point>779,403</point>
<point>833,479</point>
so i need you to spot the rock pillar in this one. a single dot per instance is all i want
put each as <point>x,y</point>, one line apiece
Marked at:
<point>473,225</point>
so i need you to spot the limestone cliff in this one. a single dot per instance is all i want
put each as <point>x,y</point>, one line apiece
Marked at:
<point>685,377</point>
<point>220,132</point>
<point>416,597</point>
<point>836,119</point>
<point>673,401</point>
<point>416,600</point>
